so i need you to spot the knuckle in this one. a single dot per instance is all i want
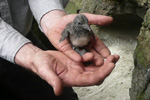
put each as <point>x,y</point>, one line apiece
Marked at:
<point>64,48</point>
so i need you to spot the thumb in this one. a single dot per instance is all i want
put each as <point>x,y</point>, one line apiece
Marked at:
<point>99,19</point>
<point>56,83</point>
<point>52,79</point>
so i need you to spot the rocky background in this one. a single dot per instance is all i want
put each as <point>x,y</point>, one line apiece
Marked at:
<point>131,22</point>
<point>141,74</point>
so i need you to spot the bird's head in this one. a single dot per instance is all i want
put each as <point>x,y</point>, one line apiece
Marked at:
<point>81,22</point>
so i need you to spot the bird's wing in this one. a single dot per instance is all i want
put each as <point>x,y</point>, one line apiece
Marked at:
<point>65,34</point>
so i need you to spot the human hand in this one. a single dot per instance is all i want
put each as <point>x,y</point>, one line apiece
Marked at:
<point>53,26</point>
<point>59,70</point>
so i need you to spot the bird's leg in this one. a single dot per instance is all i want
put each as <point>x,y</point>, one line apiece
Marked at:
<point>78,51</point>
<point>81,52</point>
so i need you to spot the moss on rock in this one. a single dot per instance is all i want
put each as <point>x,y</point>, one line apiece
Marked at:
<point>141,74</point>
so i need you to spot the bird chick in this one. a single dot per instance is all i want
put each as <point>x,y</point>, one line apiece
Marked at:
<point>78,33</point>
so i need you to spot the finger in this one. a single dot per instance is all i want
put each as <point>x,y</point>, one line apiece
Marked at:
<point>92,18</point>
<point>88,57</point>
<point>106,69</point>
<point>104,72</point>
<point>73,55</point>
<point>117,57</point>
<point>97,60</point>
<point>101,48</point>
<point>96,77</point>
<point>52,79</point>
<point>110,58</point>
<point>55,82</point>
<point>99,19</point>
<point>67,49</point>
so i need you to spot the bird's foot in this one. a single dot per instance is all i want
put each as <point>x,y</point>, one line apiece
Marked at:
<point>81,52</point>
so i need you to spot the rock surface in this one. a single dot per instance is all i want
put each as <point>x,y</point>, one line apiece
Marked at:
<point>128,18</point>
<point>141,74</point>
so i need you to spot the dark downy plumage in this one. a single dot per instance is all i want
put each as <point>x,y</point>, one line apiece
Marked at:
<point>78,33</point>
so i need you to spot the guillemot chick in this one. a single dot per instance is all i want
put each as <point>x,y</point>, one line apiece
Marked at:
<point>78,33</point>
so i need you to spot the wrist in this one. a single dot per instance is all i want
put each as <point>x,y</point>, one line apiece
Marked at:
<point>25,55</point>
<point>50,18</point>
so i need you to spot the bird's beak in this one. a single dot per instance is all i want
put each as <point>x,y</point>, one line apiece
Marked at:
<point>86,27</point>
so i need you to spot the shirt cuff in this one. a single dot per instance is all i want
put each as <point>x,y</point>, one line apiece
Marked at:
<point>40,7</point>
<point>11,44</point>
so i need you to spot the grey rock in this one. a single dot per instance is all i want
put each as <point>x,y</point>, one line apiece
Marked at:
<point>129,11</point>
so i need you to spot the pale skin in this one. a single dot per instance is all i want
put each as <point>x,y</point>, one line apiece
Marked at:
<point>65,67</point>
